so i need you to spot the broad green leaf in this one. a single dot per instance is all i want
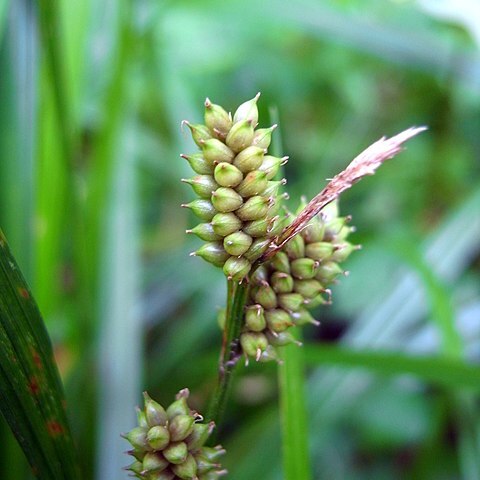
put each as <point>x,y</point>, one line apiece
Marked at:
<point>31,393</point>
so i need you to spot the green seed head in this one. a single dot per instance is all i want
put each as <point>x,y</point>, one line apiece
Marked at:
<point>199,435</point>
<point>158,437</point>
<point>342,251</point>
<point>255,318</point>
<point>328,272</point>
<point>302,317</point>
<point>141,418</point>
<point>226,223</point>
<point>166,474</point>
<point>205,232</point>
<point>135,467</point>
<point>281,282</point>
<point>278,320</point>
<point>138,438</point>
<point>217,119</point>
<point>257,249</point>
<point>273,186</point>
<point>260,276</point>
<point>154,413</point>
<point>237,243</point>
<point>180,427</point>
<point>291,302</point>
<point>337,229</point>
<point>249,159</point>
<point>253,344</point>
<point>308,288</point>
<point>212,252</point>
<point>254,183</point>
<point>180,405</point>
<point>257,228</point>
<point>198,163</point>
<point>265,296</point>
<point>154,461</point>
<point>255,208</point>
<point>280,339</point>
<point>176,452</point>
<point>263,137</point>
<point>271,165</point>
<point>200,133</point>
<point>203,185</point>
<point>226,199</point>
<point>203,209</point>
<point>304,267</point>
<point>236,268</point>
<point>247,111</point>
<point>187,469</point>
<point>240,136</point>
<point>215,151</point>
<point>227,175</point>
<point>314,231</point>
<point>295,248</point>
<point>280,262</point>
<point>212,454</point>
<point>319,251</point>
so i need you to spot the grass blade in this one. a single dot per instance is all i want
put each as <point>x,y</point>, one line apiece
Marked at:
<point>448,372</point>
<point>296,461</point>
<point>31,393</point>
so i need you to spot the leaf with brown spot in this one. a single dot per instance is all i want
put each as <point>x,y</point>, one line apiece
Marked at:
<point>31,393</point>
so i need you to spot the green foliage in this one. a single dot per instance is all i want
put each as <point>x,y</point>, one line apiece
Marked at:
<point>31,394</point>
<point>90,135</point>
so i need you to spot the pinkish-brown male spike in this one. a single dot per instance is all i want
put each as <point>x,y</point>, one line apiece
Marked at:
<point>364,164</point>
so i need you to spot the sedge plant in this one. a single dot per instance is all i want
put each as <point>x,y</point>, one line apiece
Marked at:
<point>278,266</point>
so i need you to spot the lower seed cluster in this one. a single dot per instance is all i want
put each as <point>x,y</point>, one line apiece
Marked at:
<point>170,444</point>
<point>292,282</point>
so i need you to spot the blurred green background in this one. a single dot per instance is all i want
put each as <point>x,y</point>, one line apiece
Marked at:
<point>91,99</point>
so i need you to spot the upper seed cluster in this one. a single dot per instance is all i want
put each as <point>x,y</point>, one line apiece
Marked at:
<point>169,444</point>
<point>237,196</point>
<point>295,280</point>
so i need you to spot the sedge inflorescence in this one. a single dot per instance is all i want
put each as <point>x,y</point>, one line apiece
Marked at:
<point>241,209</point>
<point>238,199</point>
<point>169,444</point>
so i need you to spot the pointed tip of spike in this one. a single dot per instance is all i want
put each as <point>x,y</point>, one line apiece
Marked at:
<point>189,230</point>
<point>183,155</point>
<point>257,96</point>
<point>192,254</point>
<point>208,103</point>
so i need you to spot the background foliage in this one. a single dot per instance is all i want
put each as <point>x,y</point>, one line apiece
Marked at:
<point>91,99</point>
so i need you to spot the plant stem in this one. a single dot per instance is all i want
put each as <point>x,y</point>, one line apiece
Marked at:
<point>230,353</point>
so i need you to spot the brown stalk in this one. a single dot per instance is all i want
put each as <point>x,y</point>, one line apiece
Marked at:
<point>364,164</point>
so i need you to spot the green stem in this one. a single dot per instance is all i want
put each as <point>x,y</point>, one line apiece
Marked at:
<point>236,298</point>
